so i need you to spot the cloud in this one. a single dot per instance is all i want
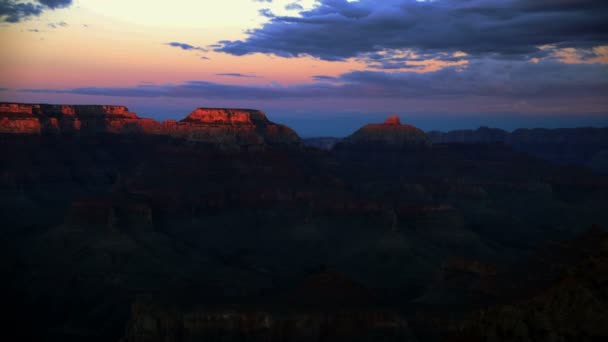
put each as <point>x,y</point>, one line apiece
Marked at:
<point>266,12</point>
<point>511,81</point>
<point>324,78</point>
<point>56,3</point>
<point>294,6</point>
<point>339,29</point>
<point>13,11</point>
<point>234,74</point>
<point>58,24</point>
<point>186,47</point>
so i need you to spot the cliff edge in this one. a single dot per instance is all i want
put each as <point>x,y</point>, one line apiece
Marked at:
<point>226,127</point>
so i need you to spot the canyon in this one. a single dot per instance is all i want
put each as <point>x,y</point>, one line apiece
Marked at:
<point>222,226</point>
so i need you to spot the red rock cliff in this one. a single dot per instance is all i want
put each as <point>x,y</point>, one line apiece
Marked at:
<point>44,119</point>
<point>225,127</point>
<point>390,134</point>
<point>229,127</point>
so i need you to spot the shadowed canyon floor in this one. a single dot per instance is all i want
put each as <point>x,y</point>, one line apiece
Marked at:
<point>228,229</point>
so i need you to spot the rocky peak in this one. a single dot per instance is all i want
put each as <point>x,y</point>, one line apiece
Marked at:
<point>392,120</point>
<point>225,116</point>
<point>391,134</point>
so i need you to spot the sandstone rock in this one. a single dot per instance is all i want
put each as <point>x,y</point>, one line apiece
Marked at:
<point>227,128</point>
<point>392,120</point>
<point>231,127</point>
<point>24,125</point>
<point>391,134</point>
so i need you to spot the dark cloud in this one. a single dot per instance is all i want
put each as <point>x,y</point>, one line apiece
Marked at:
<point>552,5</point>
<point>487,77</point>
<point>324,78</point>
<point>56,3</point>
<point>266,12</point>
<point>13,11</point>
<point>338,29</point>
<point>509,80</point>
<point>185,46</point>
<point>235,74</point>
<point>294,6</point>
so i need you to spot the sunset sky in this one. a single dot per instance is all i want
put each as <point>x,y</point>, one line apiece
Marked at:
<point>324,67</point>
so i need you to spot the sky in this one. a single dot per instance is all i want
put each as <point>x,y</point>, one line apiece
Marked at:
<point>324,67</point>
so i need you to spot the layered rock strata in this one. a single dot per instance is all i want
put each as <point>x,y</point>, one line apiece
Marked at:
<point>390,134</point>
<point>227,127</point>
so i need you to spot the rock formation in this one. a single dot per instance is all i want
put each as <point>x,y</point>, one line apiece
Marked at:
<point>576,146</point>
<point>61,119</point>
<point>391,134</point>
<point>241,127</point>
<point>225,127</point>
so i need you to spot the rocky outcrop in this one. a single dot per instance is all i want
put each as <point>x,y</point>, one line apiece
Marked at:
<point>227,128</point>
<point>18,118</point>
<point>235,127</point>
<point>389,135</point>
<point>65,119</point>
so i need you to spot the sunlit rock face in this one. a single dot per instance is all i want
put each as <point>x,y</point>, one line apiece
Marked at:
<point>231,127</point>
<point>18,118</point>
<point>61,119</point>
<point>391,134</point>
<point>226,128</point>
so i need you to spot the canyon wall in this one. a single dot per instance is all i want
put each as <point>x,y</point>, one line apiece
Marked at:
<point>225,127</point>
<point>391,134</point>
